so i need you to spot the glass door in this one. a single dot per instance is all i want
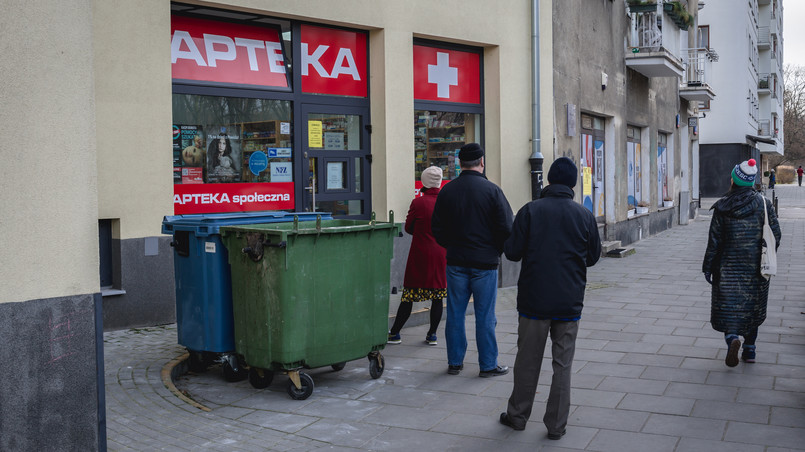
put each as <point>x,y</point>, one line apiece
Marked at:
<point>336,159</point>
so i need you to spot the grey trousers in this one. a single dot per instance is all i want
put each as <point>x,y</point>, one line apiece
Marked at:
<point>531,338</point>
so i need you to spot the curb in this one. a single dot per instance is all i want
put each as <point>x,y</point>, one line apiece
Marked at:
<point>171,370</point>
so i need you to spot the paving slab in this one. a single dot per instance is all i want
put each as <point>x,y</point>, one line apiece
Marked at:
<point>649,375</point>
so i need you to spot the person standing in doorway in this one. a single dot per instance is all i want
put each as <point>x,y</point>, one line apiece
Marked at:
<point>732,262</point>
<point>425,269</point>
<point>557,239</point>
<point>472,219</point>
<point>799,175</point>
<point>772,179</point>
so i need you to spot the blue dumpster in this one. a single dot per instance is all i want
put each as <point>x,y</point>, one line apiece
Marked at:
<point>204,286</point>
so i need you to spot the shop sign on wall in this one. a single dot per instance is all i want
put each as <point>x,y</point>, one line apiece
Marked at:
<point>222,52</point>
<point>447,75</point>
<point>333,61</point>
<point>242,197</point>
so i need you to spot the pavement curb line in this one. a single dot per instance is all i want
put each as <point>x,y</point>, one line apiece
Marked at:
<point>167,379</point>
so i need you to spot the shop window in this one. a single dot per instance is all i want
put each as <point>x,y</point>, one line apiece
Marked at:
<point>448,105</point>
<point>634,173</point>
<point>231,140</point>
<point>662,168</point>
<point>438,136</point>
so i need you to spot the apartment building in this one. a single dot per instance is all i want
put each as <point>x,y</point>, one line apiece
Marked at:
<point>628,80</point>
<point>747,119</point>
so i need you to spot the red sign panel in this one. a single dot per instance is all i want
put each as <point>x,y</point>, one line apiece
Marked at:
<point>447,75</point>
<point>333,61</point>
<point>209,51</point>
<point>214,198</point>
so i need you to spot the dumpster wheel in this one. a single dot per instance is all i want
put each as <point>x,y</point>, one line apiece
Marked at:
<point>300,385</point>
<point>338,366</point>
<point>376,365</point>
<point>260,378</point>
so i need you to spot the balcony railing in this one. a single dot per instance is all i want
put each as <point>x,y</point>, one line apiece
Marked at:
<point>763,38</point>
<point>763,83</point>
<point>764,128</point>
<point>652,51</point>
<point>695,86</point>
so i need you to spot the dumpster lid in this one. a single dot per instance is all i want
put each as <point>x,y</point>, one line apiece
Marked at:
<point>206,224</point>
<point>321,226</point>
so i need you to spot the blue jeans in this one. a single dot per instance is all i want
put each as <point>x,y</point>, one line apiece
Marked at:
<point>483,286</point>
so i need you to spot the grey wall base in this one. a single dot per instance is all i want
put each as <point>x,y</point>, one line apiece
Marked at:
<point>147,278</point>
<point>52,396</point>
<point>636,228</point>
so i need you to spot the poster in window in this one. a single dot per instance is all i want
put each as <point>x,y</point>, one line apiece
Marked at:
<point>188,145</point>
<point>334,141</point>
<point>224,156</point>
<point>281,172</point>
<point>335,175</point>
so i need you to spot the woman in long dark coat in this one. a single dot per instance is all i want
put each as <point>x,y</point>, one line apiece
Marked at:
<point>425,272</point>
<point>732,263</point>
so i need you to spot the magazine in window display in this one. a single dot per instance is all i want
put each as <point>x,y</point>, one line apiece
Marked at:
<point>224,156</point>
<point>188,151</point>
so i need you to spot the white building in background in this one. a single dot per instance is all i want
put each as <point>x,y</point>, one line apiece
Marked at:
<point>747,119</point>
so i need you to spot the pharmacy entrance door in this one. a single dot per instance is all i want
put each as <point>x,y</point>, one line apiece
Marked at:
<point>336,159</point>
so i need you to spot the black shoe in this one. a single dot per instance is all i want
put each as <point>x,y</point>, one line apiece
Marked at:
<point>500,370</point>
<point>506,420</point>
<point>732,353</point>
<point>555,436</point>
<point>454,370</point>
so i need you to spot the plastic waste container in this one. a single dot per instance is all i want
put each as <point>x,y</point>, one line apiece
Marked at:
<point>309,295</point>
<point>204,285</point>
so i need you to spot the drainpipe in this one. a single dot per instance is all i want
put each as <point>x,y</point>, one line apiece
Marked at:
<point>536,157</point>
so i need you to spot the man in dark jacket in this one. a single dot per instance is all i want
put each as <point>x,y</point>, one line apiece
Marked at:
<point>472,219</point>
<point>557,239</point>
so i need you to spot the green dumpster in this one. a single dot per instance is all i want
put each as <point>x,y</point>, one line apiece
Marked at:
<point>309,294</point>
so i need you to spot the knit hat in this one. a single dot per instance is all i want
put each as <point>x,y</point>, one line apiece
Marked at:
<point>432,177</point>
<point>744,173</point>
<point>563,171</point>
<point>470,152</point>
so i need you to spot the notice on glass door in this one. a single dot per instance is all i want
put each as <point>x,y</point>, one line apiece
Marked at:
<point>314,134</point>
<point>335,175</point>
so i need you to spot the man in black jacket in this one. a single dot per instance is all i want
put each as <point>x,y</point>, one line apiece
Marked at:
<point>557,239</point>
<point>472,219</point>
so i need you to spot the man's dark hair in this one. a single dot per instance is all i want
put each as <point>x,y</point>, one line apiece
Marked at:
<point>470,164</point>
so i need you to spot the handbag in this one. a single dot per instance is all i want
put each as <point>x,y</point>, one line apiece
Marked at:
<point>768,248</point>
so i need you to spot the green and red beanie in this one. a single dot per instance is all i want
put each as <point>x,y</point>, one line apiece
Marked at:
<point>744,173</point>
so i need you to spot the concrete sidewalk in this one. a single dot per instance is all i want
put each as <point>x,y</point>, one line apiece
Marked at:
<point>649,375</point>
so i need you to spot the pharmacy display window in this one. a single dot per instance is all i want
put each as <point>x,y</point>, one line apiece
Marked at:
<point>238,149</point>
<point>448,105</point>
<point>268,114</point>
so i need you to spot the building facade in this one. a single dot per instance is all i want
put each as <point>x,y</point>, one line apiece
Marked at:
<point>297,106</point>
<point>747,119</point>
<point>627,82</point>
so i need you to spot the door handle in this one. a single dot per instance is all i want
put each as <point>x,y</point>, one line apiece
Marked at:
<point>312,189</point>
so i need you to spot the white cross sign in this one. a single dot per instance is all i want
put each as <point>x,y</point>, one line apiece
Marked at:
<point>443,75</point>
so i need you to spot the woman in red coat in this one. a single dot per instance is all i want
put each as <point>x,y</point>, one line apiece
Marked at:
<point>427,262</point>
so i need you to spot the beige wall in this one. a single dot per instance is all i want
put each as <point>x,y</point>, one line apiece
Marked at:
<point>133,97</point>
<point>503,32</point>
<point>48,184</point>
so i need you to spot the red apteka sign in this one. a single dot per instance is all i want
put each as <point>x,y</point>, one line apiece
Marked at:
<point>447,75</point>
<point>333,61</point>
<point>210,51</point>
<point>245,197</point>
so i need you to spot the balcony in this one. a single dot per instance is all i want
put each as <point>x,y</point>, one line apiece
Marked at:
<point>695,86</point>
<point>764,129</point>
<point>763,38</point>
<point>652,51</point>
<point>764,82</point>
